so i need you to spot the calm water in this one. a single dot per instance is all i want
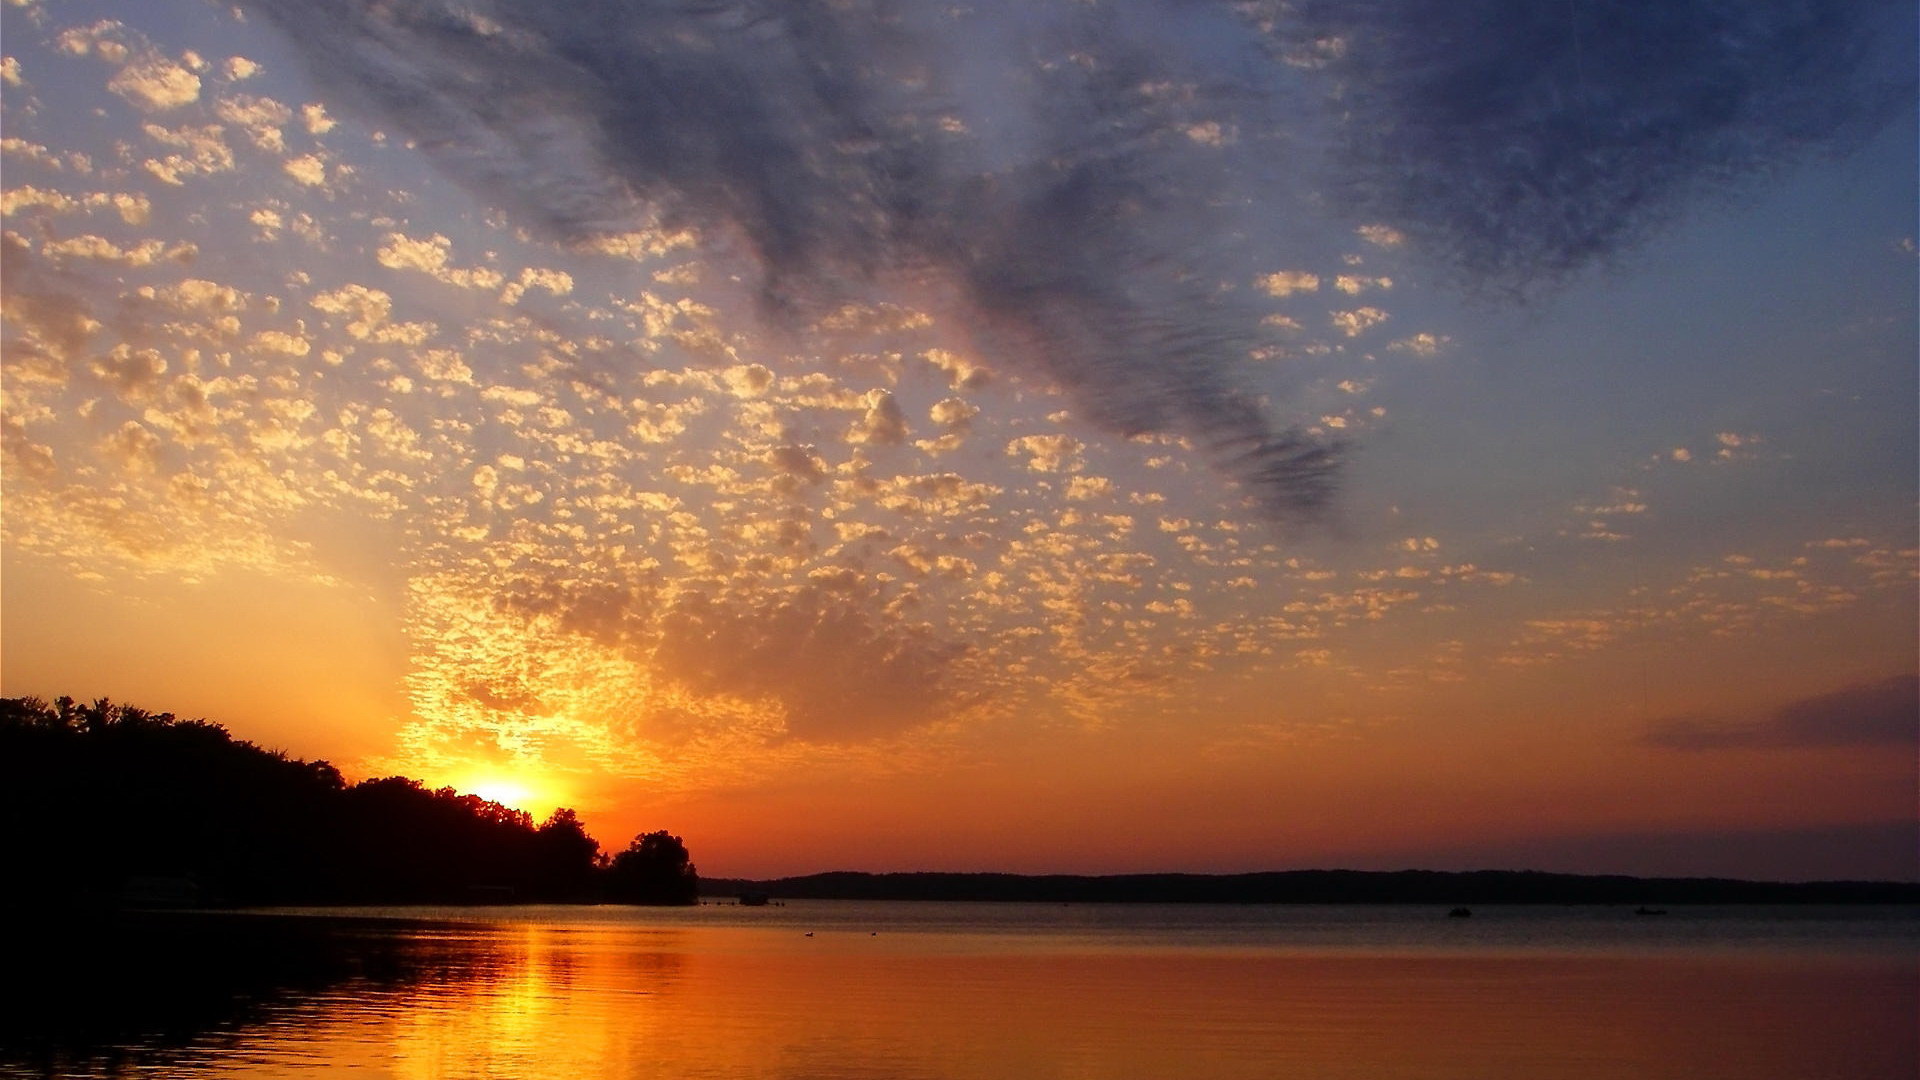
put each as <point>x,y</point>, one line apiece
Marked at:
<point>975,991</point>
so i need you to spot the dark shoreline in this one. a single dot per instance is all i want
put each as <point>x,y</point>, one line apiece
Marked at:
<point>1313,887</point>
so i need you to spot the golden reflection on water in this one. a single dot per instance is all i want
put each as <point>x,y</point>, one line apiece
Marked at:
<point>540,1002</point>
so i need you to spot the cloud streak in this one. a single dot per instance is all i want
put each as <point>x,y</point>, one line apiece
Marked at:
<point>1884,713</point>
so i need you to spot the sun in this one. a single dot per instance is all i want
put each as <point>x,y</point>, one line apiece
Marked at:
<point>518,793</point>
<point>504,792</point>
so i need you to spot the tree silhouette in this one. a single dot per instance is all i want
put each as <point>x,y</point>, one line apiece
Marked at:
<point>564,855</point>
<point>655,869</point>
<point>97,799</point>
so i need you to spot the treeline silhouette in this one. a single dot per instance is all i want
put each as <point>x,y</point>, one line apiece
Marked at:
<point>108,804</point>
<point>1319,887</point>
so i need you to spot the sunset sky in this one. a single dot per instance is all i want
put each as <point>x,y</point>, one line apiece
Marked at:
<point>1033,435</point>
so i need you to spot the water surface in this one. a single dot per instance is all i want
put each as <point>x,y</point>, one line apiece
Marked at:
<point>1005,991</point>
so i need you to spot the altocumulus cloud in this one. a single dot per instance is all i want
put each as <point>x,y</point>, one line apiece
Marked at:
<point>1080,178</point>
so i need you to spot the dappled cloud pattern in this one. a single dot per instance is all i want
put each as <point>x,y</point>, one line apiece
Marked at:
<point>791,394</point>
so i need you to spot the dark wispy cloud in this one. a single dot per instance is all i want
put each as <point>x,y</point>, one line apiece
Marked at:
<point>1522,140</point>
<point>1077,174</point>
<point>1870,851</point>
<point>1883,713</point>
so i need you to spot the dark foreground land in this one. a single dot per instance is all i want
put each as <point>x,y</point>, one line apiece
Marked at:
<point>105,806</point>
<point>1317,887</point>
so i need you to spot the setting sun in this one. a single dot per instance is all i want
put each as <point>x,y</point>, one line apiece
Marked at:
<point>514,792</point>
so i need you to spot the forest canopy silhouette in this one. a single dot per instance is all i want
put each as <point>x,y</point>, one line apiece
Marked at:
<point>108,804</point>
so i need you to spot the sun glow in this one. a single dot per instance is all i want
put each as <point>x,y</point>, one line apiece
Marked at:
<point>514,792</point>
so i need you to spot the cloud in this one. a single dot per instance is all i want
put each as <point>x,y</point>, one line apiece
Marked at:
<point>433,256</point>
<point>796,466</point>
<point>52,327</point>
<point>953,414</point>
<point>133,208</point>
<point>261,118</point>
<point>314,115</point>
<point>1048,453</point>
<point>135,373</point>
<point>364,308</point>
<point>556,282</point>
<point>133,447</point>
<point>882,423</point>
<point>837,671</point>
<point>1380,236</point>
<point>1880,713</point>
<point>1358,321</point>
<point>1287,282</point>
<point>155,83</point>
<point>1422,345</point>
<point>1870,851</point>
<point>961,372</point>
<point>308,169</point>
<point>207,152</point>
<point>1522,141</point>
<point>279,341</point>
<point>1036,162</point>
<point>198,296</point>
<point>1030,168</point>
<point>89,246</point>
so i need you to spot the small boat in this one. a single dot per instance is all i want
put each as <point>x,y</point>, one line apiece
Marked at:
<point>1460,913</point>
<point>1649,911</point>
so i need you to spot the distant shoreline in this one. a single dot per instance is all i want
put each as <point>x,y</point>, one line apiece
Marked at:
<point>1312,887</point>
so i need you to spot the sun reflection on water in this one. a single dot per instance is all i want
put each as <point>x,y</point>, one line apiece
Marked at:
<point>622,994</point>
<point>553,1001</point>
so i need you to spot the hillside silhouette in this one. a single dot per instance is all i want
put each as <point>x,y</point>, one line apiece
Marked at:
<point>110,805</point>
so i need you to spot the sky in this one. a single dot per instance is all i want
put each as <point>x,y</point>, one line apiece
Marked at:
<point>1050,436</point>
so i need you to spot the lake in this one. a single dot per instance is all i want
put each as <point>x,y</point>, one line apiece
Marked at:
<point>846,989</point>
